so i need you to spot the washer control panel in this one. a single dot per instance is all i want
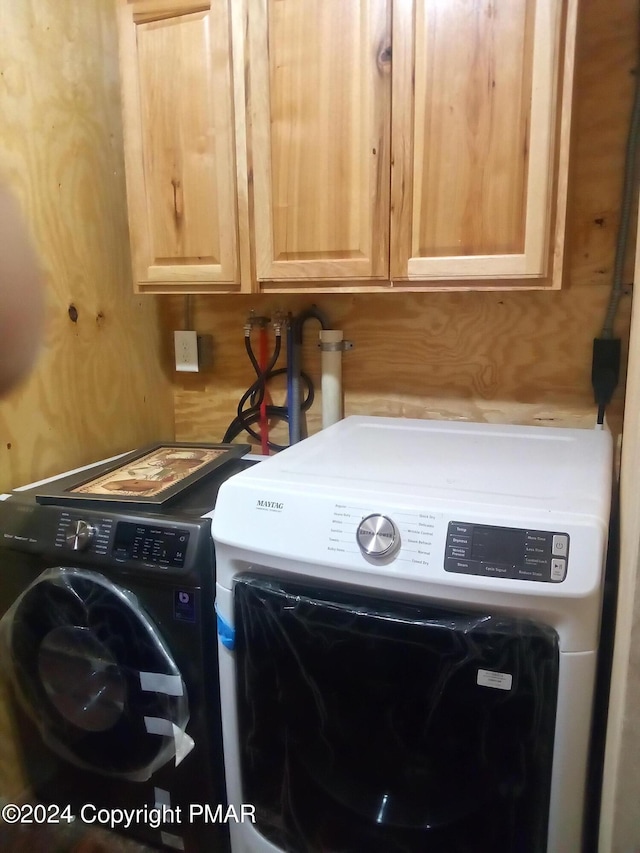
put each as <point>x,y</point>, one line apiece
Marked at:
<point>509,552</point>
<point>150,543</point>
<point>144,542</point>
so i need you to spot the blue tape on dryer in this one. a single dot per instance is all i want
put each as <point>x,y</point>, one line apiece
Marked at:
<point>226,632</point>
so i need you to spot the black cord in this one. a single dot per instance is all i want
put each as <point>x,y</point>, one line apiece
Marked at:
<point>254,396</point>
<point>249,349</point>
<point>251,416</point>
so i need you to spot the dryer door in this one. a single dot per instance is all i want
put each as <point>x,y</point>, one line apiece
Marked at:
<point>390,726</point>
<point>95,675</point>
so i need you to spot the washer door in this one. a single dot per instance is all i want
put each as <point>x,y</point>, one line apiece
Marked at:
<point>92,671</point>
<point>370,723</point>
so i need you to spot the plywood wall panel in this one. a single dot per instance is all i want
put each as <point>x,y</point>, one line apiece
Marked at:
<point>514,357</point>
<point>606,64</point>
<point>98,386</point>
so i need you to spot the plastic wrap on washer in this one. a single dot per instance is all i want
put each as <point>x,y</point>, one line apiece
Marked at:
<point>95,676</point>
<point>392,726</point>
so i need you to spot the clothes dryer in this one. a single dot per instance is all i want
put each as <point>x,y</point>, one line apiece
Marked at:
<point>408,619</point>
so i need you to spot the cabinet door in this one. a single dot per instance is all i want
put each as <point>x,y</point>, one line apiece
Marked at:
<point>320,129</point>
<point>475,101</point>
<point>176,70</point>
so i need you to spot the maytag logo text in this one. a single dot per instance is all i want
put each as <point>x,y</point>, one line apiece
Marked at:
<point>274,506</point>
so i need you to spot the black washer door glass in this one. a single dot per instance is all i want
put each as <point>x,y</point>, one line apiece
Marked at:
<point>81,678</point>
<point>392,727</point>
<point>78,644</point>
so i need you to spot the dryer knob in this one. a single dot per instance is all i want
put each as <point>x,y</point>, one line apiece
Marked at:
<point>378,538</point>
<point>79,534</point>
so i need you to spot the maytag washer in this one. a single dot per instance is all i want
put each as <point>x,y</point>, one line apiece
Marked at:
<point>408,623</point>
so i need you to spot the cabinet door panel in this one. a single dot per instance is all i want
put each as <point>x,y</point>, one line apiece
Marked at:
<point>320,128</point>
<point>179,142</point>
<point>473,143</point>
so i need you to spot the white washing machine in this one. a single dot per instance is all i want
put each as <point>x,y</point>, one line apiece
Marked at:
<point>408,622</point>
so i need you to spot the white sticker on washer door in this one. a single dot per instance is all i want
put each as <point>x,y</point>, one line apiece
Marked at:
<point>498,680</point>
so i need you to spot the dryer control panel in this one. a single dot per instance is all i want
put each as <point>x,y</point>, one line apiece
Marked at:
<point>508,552</point>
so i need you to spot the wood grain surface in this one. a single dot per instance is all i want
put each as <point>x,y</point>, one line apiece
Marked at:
<point>98,387</point>
<point>476,146</point>
<point>320,129</point>
<point>177,96</point>
<point>516,357</point>
<point>606,64</point>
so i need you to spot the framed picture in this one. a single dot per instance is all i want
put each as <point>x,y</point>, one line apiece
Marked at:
<point>148,477</point>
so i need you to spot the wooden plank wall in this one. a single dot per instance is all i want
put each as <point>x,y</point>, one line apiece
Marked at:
<point>98,387</point>
<point>505,357</point>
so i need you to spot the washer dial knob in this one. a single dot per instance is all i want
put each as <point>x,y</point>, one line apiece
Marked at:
<point>378,537</point>
<point>79,534</point>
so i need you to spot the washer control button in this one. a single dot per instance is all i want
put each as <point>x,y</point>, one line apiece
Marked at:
<point>558,570</point>
<point>378,537</point>
<point>560,545</point>
<point>458,553</point>
<point>79,534</point>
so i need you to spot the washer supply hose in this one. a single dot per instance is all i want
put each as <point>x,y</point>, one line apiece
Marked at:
<point>255,393</point>
<point>258,408</point>
<point>264,420</point>
<point>290,383</point>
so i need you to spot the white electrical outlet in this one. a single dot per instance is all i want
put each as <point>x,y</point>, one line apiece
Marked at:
<point>186,344</point>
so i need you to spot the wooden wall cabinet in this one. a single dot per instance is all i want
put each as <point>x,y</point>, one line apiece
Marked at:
<point>183,146</point>
<point>320,125</point>
<point>477,141</point>
<point>405,144</point>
